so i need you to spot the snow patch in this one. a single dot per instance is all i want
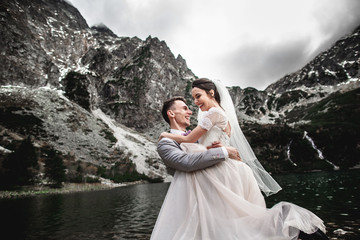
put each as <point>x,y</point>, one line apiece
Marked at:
<point>5,150</point>
<point>135,144</point>
<point>330,72</point>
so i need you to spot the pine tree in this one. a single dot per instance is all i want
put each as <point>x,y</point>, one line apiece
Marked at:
<point>54,168</point>
<point>22,165</point>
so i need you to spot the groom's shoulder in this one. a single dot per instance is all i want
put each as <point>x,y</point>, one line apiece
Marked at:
<point>165,141</point>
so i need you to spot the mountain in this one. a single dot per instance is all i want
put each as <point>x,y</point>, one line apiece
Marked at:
<point>335,70</point>
<point>88,76</point>
<point>45,42</point>
<point>321,99</point>
<point>95,98</point>
<point>89,141</point>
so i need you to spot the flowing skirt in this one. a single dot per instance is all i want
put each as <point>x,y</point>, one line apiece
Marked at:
<point>224,202</point>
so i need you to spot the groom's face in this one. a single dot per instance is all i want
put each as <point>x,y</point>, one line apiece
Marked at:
<point>181,113</point>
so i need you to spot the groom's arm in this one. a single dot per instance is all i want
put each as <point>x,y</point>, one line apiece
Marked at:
<point>174,157</point>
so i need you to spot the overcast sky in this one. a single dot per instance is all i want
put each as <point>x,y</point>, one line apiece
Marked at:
<point>246,43</point>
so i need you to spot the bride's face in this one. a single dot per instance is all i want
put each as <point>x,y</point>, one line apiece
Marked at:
<point>203,99</point>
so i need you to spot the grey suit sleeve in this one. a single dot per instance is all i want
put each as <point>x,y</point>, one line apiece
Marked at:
<point>174,157</point>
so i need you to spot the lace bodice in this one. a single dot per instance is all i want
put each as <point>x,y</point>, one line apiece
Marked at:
<point>215,121</point>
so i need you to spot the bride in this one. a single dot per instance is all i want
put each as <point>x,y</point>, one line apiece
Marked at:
<point>225,201</point>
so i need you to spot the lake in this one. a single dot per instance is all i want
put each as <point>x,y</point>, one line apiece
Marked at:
<point>130,212</point>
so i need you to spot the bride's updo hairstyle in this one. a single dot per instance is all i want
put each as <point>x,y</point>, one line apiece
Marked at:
<point>207,85</point>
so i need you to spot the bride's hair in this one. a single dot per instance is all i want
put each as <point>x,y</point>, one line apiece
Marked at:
<point>206,85</point>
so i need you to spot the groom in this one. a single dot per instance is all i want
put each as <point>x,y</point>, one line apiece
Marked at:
<point>177,114</point>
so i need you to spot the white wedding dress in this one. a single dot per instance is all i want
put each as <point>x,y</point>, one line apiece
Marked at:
<point>225,202</point>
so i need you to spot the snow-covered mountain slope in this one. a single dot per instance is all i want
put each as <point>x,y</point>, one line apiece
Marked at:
<point>53,120</point>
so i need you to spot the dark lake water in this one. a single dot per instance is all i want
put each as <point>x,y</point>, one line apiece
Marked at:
<point>130,212</point>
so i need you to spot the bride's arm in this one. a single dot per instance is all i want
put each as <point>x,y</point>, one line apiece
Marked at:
<point>192,137</point>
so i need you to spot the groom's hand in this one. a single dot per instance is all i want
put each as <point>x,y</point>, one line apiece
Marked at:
<point>233,153</point>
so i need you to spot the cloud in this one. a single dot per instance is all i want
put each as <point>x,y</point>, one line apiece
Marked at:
<point>134,18</point>
<point>264,60</point>
<point>257,65</point>
<point>241,42</point>
<point>334,21</point>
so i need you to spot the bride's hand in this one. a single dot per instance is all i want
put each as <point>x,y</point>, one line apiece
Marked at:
<point>163,135</point>
<point>215,144</point>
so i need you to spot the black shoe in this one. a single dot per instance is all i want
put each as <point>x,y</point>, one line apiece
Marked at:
<point>318,235</point>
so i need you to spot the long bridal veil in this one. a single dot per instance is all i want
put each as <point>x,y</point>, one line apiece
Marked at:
<point>237,139</point>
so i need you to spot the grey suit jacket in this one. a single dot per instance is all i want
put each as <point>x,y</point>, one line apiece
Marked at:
<point>176,159</point>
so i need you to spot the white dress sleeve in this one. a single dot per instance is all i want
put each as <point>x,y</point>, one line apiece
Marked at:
<point>213,117</point>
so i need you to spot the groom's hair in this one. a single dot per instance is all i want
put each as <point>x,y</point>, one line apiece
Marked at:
<point>168,104</point>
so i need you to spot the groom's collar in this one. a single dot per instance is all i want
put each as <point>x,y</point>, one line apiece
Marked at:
<point>176,131</point>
